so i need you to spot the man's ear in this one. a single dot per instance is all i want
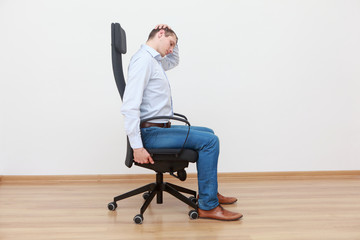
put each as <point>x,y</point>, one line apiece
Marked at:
<point>161,33</point>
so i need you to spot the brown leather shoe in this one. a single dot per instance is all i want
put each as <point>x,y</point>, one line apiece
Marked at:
<point>219,213</point>
<point>226,200</point>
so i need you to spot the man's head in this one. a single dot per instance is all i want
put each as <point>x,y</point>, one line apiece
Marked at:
<point>163,40</point>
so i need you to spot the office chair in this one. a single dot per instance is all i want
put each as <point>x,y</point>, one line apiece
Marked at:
<point>173,161</point>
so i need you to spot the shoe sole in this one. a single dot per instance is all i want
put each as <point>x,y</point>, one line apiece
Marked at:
<point>225,220</point>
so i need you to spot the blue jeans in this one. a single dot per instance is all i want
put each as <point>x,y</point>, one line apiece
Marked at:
<point>201,139</point>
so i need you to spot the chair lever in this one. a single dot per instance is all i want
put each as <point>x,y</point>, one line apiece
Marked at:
<point>181,175</point>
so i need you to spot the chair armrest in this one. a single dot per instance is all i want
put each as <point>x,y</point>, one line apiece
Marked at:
<point>180,115</point>
<point>167,117</point>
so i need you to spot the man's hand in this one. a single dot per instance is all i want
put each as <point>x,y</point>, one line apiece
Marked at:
<point>161,26</point>
<point>142,156</point>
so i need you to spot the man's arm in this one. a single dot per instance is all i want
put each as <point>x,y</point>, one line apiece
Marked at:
<point>171,60</point>
<point>138,76</point>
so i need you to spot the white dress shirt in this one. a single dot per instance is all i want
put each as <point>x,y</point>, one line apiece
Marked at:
<point>147,93</point>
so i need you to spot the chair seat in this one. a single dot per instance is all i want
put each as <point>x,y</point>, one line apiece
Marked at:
<point>170,160</point>
<point>161,154</point>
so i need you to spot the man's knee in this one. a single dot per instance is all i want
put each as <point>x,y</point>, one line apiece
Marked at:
<point>213,141</point>
<point>203,129</point>
<point>209,130</point>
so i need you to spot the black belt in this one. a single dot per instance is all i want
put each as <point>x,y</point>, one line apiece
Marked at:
<point>150,124</point>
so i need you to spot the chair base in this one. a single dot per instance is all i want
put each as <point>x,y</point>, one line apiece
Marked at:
<point>157,188</point>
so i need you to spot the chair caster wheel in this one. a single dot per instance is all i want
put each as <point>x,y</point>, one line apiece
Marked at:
<point>193,214</point>
<point>112,206</point>
<point>193,199</point>
<point>146,195</point>
<point>138,219</point>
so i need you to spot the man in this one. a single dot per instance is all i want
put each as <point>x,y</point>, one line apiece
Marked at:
<point>148,94</point>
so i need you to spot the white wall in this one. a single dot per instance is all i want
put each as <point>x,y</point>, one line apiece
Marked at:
<point>279,82</point>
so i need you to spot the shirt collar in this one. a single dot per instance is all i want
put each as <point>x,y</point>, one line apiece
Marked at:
<point>152,51</point>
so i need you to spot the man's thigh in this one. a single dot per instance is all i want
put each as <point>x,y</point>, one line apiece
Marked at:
<point>175,137</point>
<point>197,128</point>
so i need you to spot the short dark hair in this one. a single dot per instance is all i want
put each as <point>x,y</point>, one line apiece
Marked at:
<point>168,32</point>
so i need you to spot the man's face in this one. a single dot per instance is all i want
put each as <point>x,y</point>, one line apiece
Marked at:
<point>166,44</point>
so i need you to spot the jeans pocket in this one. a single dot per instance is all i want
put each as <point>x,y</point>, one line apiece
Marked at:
<point>148,135</point>
<point>146,130</point>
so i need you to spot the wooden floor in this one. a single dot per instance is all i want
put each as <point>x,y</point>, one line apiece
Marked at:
<point>287,208</point>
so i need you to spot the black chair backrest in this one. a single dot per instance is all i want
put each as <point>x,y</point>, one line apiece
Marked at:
<point>118,47</point>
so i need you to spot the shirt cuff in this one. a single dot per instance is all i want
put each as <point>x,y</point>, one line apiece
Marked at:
<point>135,142</point>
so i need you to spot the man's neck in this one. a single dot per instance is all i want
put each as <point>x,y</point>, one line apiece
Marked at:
<point>152,44</point>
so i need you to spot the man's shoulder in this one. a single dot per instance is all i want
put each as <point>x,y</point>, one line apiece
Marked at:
<point>141,56</point>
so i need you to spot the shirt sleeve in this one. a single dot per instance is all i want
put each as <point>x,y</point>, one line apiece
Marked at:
<point>171,60</point>
<point>138,76</point>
